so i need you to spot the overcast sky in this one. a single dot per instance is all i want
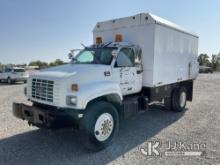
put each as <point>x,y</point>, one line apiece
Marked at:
<point>47,29</point>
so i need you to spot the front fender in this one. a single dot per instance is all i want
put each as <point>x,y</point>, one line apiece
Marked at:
<point>91,91</point>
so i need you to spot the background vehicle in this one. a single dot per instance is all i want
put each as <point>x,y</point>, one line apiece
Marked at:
<point>133,62</point>
<point>14,74</point>
<point>205,69</point>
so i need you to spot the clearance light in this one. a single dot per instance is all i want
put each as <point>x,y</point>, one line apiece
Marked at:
<point>98,40</point>
<point>75,87</point>
<point>118,38</point>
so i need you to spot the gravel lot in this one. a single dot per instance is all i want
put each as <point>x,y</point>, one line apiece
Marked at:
<point>200,123</point>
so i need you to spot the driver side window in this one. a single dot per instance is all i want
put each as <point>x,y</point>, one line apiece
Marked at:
<point>125,58</point>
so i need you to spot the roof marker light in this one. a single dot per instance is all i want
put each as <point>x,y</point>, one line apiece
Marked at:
<point>118,38</point>
<point>98,40</point>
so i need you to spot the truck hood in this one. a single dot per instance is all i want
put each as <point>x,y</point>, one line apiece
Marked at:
<point>69,70</point>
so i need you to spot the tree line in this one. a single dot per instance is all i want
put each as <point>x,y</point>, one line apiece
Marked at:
<point>203,59</point>
<point>38,63</point>
<point>213,61</point>
<point>42,64</point>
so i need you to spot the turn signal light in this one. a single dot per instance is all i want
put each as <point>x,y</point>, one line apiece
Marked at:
<point>98,40</point>
<point>118,38</point>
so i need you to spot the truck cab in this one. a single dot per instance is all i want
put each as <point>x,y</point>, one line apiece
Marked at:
<point>98,76</point>
<point>117,62</point>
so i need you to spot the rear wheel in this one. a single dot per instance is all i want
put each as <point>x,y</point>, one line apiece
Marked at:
<point>168,103</point>
<point>99,125</point>
<point>179,99</point>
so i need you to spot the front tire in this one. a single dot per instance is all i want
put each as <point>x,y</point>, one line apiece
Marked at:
<point>99,125</point>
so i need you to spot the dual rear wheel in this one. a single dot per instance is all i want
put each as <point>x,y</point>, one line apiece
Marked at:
<point>178,99</point>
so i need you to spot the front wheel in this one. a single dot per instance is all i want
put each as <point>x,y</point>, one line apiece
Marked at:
<point>99,125</point>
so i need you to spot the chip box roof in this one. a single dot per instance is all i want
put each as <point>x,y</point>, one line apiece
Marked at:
<point>137,20</point>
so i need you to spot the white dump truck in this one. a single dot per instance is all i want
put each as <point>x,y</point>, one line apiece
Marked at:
<point>133,62</point>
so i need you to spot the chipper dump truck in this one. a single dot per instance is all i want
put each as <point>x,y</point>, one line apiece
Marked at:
<point>133,62</point>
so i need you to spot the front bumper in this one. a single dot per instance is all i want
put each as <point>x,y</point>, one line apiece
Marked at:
<point>47,116</point>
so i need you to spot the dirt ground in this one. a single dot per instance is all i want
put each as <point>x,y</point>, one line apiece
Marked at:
<point>199,124</point>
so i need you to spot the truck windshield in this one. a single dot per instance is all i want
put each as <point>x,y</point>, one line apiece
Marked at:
<point>94,56</point>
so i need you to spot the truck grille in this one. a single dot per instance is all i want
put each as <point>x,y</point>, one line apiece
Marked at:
<point>42,90</point>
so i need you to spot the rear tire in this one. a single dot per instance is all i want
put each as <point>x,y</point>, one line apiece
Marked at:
<point>168,103</point>
<point>179,99</point>
<point>99,125</point>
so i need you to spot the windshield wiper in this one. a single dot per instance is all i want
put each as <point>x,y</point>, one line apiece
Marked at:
<point>107,44</point>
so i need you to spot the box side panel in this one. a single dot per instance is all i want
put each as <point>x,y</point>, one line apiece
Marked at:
<point>175,57</point>
<point>143,36</point>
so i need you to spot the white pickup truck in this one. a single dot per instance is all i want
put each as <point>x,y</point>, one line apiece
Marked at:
<point>133,62</point>
<point>14,74</point>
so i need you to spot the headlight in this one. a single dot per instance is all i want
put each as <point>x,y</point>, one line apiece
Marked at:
<point>71,100</point>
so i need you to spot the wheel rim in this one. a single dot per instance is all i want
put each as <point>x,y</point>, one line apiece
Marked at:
<point>104,126</point>
<point>182,99</point>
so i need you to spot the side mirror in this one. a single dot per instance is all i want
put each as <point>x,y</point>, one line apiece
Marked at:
<point>72,52</point>
<point>70,55</point>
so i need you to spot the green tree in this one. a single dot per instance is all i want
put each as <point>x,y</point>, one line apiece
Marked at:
<point>218,62</point>
<point>56,62</point>
<point>215,61</point>
<point>38,63</point>
<point>203,59</point>
<point>1,66</point>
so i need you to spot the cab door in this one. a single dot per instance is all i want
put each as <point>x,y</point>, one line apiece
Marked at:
<point>126,72</point>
